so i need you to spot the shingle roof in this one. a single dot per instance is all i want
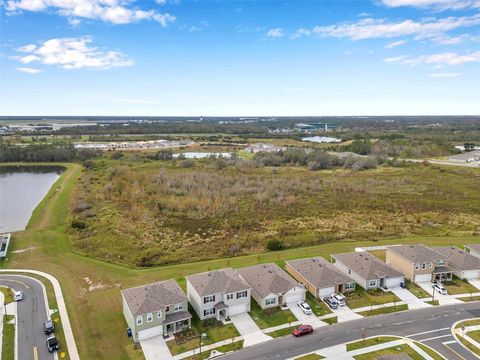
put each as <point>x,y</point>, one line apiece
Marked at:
<point>474,247</point>
<point>416,253</point>
<point>459,258</point>
<point>153,297</point>
<point>267,279</point>
<point>319,272</point>
<point>366,265</point>
<point>218,281</point>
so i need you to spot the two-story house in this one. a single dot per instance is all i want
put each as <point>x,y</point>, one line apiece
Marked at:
<point>419,263</point>
<point>218,294</point>
<point>156,309</point>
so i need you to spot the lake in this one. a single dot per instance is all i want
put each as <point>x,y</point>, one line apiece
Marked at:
<point>21,190</point>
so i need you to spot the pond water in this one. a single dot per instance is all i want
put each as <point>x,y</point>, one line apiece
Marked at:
<point>21,190</point>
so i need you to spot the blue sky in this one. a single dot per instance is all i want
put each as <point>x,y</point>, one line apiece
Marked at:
<point>170,57</point>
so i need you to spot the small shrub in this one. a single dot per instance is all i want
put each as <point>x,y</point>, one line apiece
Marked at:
<point>275,245</point>
<point>78,224</point>
<point>187,163</point>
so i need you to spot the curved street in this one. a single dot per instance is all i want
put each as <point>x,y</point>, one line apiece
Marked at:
<point>430,326</point>
<point>31,314</point>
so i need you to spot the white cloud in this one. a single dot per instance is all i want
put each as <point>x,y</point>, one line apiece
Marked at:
<point>275,33</point>
<point>436,4</point>
<point>444,75</point>
<point>301,33</point>
<point>72,53</point>
<point>113,11</point>
<point>28,70</point>
<point>395,44</point>
<point>437,60</point>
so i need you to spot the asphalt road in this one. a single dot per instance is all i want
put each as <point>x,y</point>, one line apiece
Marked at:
<point>32,314</point>
<point>436,321</point>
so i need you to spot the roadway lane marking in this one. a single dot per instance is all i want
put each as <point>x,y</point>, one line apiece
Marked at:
<point>455,352</point>
<point>436,337</point>
<point>35,354</point>
<point>16,281</point>
<point>449,342</point>
<point>427,332</point>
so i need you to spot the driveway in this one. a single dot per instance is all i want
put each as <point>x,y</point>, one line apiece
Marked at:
<point>442,299</point>
<point>247,328</point>
<point>411,300</point>
<point>311,320</point>
<point>156,349</point>
<point>344,313</point>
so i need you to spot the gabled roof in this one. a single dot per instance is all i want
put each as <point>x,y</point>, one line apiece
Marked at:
<point>218,281</point>
<point>319,272</point>
<point>474,247</point>
<point>366,265</point>
<point>459,258</point>
<point>267,279</point>
<point>153,297</point>
<point>416,253</point>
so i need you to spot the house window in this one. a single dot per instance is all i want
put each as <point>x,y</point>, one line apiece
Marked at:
<point>178,307</point>
<point>430,265</point>
<point>242,294</point>
<point>139,320</point>
<point>229,296</point>
<point>349,271</point>
<point>208,299</point>
<point>372,283</point>
<point>349,286</point>
<point>159,314</point>
<point>441,262</point>
<point>208,312</point>
<point>149,317</point>
<point>424,266</point>
<point>271,301</point>
<point>417,266</point>
<point>167,309</point>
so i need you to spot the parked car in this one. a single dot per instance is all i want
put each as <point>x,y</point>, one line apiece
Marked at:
<point>440,289</point>
<point>18,295</point>
<point>52,344</point>
<point>340,299</point>
<point>330,301</point>
<point>307,310</point>
<point>48,327</point>
<point>302,330</point>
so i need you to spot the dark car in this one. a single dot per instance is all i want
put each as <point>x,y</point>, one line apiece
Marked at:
<point>302,330</point>
<point>330,302</point>
<point>52,344</point>
<point>48,327</point>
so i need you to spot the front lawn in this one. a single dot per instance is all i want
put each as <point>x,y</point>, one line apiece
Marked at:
<point>470,298</point>
<point>370,342</point>
<point>270,317</point>
<point>416,290</point>
<point>385,310</point>
<point>319,308</point>
<point>223,349</point>
<point>459,286</point>
<point>360,298</point>
<point>396,350</point>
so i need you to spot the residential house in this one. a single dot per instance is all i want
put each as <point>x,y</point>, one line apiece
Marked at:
<point>466,157</point>
<point>473,249</point>
<point>419,263</point>
<point>263,147</point>
<point>218,294</point>
<point>367,270</point>
<point>463,264</point>
<point>272,286</point>
<point>319,276</point>
<point>155,309</point>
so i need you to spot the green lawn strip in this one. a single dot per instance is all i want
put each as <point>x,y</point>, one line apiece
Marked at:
<point>432,302</point>
<point>384,310</point>
<point>459,286</point>
<point>270,317</point>
<point>310,357</point>
<point>466,323</point>
<point>223,349</point>
<point>8,294</point>
<point>331,320</point>
<point>475,335</point>
<point>361,298</point>
<point>416,290</point>
<point>8,341</point>
<point>469,345</point>
<point>319,308</point>
<point>400,349</point>
<point>281,332</point>
<point>430,352</point>
<point>470,298</point>
<point>370,342</point>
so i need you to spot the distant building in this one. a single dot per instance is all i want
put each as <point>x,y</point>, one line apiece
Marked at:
<point>466,157</point>
<point>313,127</point>
<point>135,145</point>
<point>263,147</point>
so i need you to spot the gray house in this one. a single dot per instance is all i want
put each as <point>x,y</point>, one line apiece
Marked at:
<point>156,309</point>
<point>218,294</point>
<point>271,286</point>
<point>367,270</point>
<point>464,264</point>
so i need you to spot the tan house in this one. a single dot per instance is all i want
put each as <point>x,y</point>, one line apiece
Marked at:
<point>319,276</point>
<point>419,263</point>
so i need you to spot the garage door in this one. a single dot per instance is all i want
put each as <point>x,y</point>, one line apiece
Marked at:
<point>471,274</point>
<point>237,309</point>
<point>294,298</point>
<point>394,282</point>
<point>148,333</point>
<point>423,278</point>
<point>325,292</point>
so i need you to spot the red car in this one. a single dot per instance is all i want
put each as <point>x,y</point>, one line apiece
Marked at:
<point>302,330</point>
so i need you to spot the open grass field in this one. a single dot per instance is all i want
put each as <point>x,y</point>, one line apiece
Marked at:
<point>92,287</point>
